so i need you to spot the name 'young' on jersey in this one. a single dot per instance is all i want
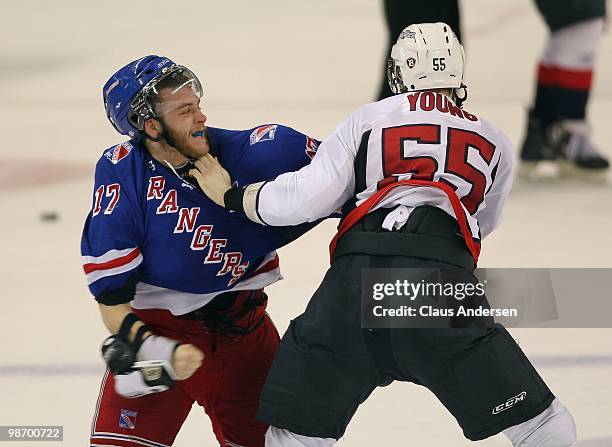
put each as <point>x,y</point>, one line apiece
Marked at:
<point>421,136</point>
<point>153,235</point>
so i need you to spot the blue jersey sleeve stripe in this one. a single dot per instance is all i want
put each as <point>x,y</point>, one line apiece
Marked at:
<point>119,262</point>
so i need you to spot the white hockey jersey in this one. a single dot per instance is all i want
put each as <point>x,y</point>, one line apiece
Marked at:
<point>422,137</point>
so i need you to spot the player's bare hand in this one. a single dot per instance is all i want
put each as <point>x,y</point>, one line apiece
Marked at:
<point>212,178</point>
<point>187,359</point>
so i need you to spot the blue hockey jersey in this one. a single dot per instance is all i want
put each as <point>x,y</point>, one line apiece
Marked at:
<point>151,227</point>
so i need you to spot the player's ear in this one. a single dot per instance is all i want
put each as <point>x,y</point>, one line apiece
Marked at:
<point>153,128</point>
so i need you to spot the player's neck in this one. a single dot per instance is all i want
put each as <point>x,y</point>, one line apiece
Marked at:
<point>445,91</point>
<point>163,152</point>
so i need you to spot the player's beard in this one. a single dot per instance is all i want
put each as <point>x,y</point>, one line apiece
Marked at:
<point>191,147</point>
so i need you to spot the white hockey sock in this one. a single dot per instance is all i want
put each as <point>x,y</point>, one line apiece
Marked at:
<point>574,47</point>
<point>554,427</point>
<point>278,437</point>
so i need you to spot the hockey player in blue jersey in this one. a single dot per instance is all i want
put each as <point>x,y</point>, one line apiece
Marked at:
<point>178,278</point>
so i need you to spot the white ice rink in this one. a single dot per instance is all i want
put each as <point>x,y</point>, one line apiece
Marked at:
<point>303,63</point>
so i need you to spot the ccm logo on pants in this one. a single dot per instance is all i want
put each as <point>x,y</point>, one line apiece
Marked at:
<point>510,402</point>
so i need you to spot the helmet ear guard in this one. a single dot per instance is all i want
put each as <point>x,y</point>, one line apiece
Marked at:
<point>137,117</point>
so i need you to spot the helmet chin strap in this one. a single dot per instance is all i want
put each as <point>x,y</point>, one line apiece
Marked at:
<point>459,100</point>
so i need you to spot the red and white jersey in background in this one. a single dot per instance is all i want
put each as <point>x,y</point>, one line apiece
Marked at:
<point>419,136</point>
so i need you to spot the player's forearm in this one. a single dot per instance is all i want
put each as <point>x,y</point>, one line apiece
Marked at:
<point>311,193</point>
<point>295,210</point>
<point>293,198</point>
<point>113,316</point>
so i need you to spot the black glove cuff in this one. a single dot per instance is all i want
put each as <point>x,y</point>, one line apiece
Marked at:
<point>126,326</point>
<point>233,199</point>
<point>140,338</point>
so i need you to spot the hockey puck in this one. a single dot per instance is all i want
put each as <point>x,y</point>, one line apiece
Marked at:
<point>49,216</point>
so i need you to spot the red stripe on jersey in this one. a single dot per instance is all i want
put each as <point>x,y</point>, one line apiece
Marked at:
<point>268,266</point>
<point>354,216</point>
<point>551,76</point>
<point>113,263</point>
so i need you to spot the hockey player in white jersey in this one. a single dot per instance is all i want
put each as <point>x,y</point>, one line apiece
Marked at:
<point>421,182</point>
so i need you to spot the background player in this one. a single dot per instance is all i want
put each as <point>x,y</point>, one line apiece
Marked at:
<point>556,127</point>
<point>178,279</point>
<point>424,181</point>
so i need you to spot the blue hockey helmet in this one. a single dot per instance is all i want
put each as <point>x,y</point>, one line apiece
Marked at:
<point>128,94</point>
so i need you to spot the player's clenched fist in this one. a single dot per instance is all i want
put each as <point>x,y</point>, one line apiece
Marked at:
<point>212,178</point>
<point>155,366</point>
<point>187,359</point>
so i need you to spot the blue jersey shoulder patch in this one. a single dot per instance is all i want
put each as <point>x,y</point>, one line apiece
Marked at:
<point>117,153</point>
<point>263,133</point>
